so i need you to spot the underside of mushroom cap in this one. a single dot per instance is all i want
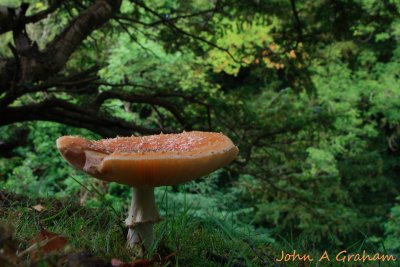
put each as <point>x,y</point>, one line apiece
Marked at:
<point>72,148</point>
<point>154,160</point>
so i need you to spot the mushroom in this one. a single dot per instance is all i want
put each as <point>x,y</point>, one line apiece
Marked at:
<point>147,162</point>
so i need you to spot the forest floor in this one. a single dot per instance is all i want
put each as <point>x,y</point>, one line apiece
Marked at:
<point>46,232</point>
<point>60,232</point>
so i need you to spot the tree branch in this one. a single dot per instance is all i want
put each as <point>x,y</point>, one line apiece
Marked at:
<point>134,98</point>
<point>298,23</point>
<point>191,98</point>
<point>33,65</point>
<point>59,50</point>
<point>61,111</point>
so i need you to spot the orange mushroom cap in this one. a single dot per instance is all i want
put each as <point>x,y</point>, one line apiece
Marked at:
<point>155,160</point>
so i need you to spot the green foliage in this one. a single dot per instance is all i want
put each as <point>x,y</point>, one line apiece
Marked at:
<point>242,40</point>
<point>392,229</point>
<point>24,172</point>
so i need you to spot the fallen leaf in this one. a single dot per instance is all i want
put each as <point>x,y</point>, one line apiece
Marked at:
<point>55,241</point>
<point>39,208</point>
<point>44,243</point>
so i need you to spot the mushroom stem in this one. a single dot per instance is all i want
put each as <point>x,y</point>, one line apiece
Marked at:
<point>142,215</point>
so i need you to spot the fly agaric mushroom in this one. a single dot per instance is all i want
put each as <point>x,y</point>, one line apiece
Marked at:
<point>147,162</point>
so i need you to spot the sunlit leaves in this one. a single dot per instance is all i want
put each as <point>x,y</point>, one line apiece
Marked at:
<point>246,43</point>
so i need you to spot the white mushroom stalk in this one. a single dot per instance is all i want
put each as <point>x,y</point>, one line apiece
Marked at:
<point>142,215</point>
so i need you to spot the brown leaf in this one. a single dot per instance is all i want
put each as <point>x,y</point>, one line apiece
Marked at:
<point>39,207</point>
<point>44,243</point>
<point>55,241</point>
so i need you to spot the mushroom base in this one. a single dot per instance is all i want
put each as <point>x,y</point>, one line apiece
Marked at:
<point>140,234</point>
<point>142,215</point>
